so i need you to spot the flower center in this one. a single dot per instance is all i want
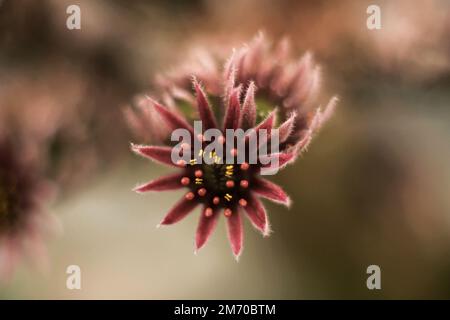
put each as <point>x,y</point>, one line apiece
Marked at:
<point>218,185</point>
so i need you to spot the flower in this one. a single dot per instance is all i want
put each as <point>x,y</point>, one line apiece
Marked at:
<point>221,187</point>
<point>257,87</point>
<point>290,84</point>
<point>22,220</point>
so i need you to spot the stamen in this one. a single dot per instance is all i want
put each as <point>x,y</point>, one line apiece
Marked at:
<point>233,152</point>
<point>185,181</point>
<point>201,192</point>
<point>189,196</point>
<point>198,173</point>
<point>243,202</point>
<point>200,137</point>
<point>228,197</point>
<point>208,212</point>
<point>229,171</point>
<point>245,166</point>
<point>216,200</point>
<point>193,161</point>
<point>181,163</point>
<point>227,212</point>
<point>198,180</point>
<point>221,139</point>
<point>230,184</point>
<point>244,184</point>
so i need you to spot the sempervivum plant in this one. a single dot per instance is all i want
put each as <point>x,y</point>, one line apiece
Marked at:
<point>233,189</point>
<point>22,218</point>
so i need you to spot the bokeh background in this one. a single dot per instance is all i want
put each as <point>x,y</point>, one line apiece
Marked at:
<point>372,189</point>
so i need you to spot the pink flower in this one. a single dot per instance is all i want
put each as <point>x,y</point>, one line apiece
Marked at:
<point>22,220</point>
<point>231,189</point>
<point>257,87</point>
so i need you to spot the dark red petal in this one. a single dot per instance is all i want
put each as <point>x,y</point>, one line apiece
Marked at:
<point>173,120</point>
<point>267,123</point>
<point>204,109</point>
<point>248,115</point>
<point>156,153</point>
<point>179,211</point>
<point>283,159</point>
<point>170,182</point>
<point>271,191</point>
<point>257,215</point>
<point>235,233</point>
<point>205,228</point>
<point>231,120</point>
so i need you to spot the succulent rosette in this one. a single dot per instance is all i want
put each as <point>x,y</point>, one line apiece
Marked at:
<point>257,89</point>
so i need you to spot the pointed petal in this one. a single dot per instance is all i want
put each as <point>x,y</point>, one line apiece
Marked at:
<point>205,228</point>
<point>268,122</point>
<point>156,153</point>
<point>229,77</point>
<point>248,115</point>
<point>271,191</point>
<point>235,233</point>
<point>231,120</point>
<point>257,215</point>
<point>170,182</point>
<point>179,211</point>
<point>277,161</point>
<point>173,120</point>
<point>329,110</point>
<point>204,109</point>
<point>303,144</point>
<point>254,57</point>
<point>286,128</point>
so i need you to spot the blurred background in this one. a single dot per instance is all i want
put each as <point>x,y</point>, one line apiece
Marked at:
<point>372,189</point>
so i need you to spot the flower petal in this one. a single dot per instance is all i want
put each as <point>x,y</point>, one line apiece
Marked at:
<point>329,110</point>
<point>286,128</point>
<point>257,215</point>
<point>248,115</point>
<point>271,191</point>
<point>204,109</point>
<point>156,153</point>
<point>277,161</point>
<point>173,120</point>
<point>235,233</point>
<point>170,182</point>
<point>179,211</point>
<point>231,120</point>
<point>230,78</point>
<point>268,122</point>
<point>205,228</point>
